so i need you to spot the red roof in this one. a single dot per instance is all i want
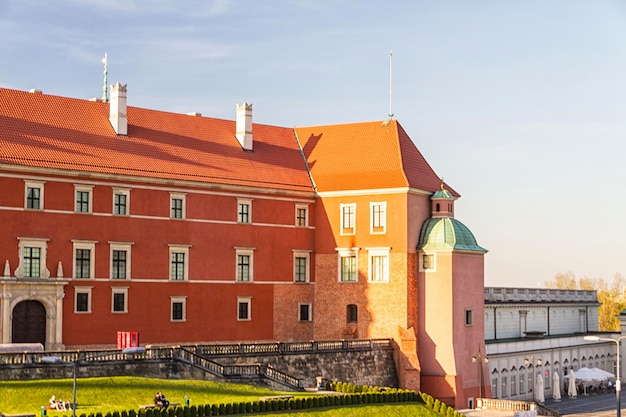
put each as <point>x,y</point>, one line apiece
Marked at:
<point>46,131</point>
<point>363,156</point>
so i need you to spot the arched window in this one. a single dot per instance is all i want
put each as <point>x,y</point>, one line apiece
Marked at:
<point>352,313</point>
<point>494,383</point>
<point>437,207</point>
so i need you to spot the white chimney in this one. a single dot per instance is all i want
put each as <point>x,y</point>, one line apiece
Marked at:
<point>117,109</point>
<point>244,126</point>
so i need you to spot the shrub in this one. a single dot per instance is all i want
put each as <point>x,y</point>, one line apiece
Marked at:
<point>215,410</point>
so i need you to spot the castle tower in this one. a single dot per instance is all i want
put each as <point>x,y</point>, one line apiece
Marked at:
<point>450,306</point>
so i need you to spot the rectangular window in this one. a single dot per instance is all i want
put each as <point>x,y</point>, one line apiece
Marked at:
<point>301,265</point>
<point>348,219</point>
<point>300,269</point>
<point>378,265</point>
<point>469,317</point>
<point>177,272</point>
<point>302,215</point>
<point>379,268</point>
<point>83,198</point>
<point>32,262</point>
<point>243,267</point>
<point>244,208</point>
<point>118,264</point>
<point>243,308</point>
<point>83,263</point>
<point>176,208</point>
<point>34,195</point>
<point>32,258</point>
<point>121,199</point>
<point>178,308</point>
<point>82,299</point>
<point>120,300</point>
<point>348,268</point>
<point>428,262</point>
<point>378,218</point>
<point>305,312</point>
<point>179,262</point>
<point>84,258</point>
<point>245,264</point>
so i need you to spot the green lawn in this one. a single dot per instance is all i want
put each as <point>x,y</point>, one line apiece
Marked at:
<point>125,393</point>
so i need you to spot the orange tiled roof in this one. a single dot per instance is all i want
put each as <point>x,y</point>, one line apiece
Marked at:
<point>365,156</point>
<point>46,131</point>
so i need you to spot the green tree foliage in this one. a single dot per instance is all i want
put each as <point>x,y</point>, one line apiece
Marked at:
<point>611,297</point>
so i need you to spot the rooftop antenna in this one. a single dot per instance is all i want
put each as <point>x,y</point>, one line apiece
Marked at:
<point>387,121</point>
<point>105,88</point>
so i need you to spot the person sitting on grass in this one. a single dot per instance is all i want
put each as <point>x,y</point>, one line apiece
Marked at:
<point>160,400</point>
<point>57,404</point>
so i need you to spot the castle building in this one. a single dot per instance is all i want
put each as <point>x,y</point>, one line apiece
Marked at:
<point>190,229</point>
<point>533,332</point>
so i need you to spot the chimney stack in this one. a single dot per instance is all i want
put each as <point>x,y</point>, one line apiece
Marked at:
<point>117,109</point>
<point>244,126</point>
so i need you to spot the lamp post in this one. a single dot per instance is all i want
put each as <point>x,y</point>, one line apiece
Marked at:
<point>618,382</point>
<point>56,359</point>
<point>480,358</point>
<point>532,362</point>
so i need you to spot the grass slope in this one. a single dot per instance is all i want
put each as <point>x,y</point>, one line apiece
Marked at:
<point>125,393</point>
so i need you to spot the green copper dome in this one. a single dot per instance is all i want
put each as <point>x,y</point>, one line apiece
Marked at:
<point>442,193</point>
<point>447,233</point>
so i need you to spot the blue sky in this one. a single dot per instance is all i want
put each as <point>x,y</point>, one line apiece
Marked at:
<point>519,105</point>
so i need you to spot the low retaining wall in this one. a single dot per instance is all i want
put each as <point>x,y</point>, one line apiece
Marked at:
<point>365,363</point>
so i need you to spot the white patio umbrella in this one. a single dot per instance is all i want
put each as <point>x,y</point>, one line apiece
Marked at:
<point>556,387</point>
<point>571,385</point>
<point>539,396</point>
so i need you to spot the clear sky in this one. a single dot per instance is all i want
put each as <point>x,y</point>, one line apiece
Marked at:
<point>518,105</point>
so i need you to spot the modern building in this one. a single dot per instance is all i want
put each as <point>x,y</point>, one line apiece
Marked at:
<point>190,229</point>
<point>532,331</point>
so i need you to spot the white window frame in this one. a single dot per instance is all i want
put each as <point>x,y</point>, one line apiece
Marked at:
<point>243,251</point>
<point>120,246</point>
<point>378,252</point>
<point>29,242</point>
<point>310,308</point>
<point>347,229</point>
<point>304,207</point>
<point>376,230</point>
<point>178,299</point>
<point>342,253</point>
<point>82,290</point>
<point>248,202</point>
<point>33,184</point>
<point>179,196</point>
<point>89,245</point>
<point>421,261</point>
<point>89,190</point>
<point>125,192</point>
<point>244,300</point>
<point>119,290</point>
<point>184,249</point>
<point>297,253</point>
